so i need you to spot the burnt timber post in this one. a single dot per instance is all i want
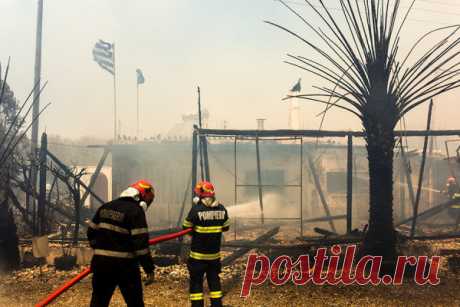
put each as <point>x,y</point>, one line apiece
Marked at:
<point>42,221</point>
<point>77,204</point>
<point>349,183</point>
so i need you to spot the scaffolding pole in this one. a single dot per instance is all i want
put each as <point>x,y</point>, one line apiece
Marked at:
<point>259,181</point>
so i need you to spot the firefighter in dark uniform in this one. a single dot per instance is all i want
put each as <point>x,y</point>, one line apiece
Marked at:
<point>118,234</point>
<point>209,219</point>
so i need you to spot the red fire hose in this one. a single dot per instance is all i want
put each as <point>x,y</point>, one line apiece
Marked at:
<point>87,271</point>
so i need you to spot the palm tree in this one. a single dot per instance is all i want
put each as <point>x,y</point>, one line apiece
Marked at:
<point>367,77</point>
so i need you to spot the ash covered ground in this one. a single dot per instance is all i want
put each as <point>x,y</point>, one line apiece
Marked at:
<point>27,286</point>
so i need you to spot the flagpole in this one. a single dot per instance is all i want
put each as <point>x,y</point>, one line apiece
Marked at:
<point>138,124</point>
<point>115,132</point>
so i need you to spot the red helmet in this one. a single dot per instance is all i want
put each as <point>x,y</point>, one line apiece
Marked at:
<point>146,191</point>
<point>204,189</point>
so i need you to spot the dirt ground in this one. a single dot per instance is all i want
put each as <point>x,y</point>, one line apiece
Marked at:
<point>27,286</point>
<point>173,292</point>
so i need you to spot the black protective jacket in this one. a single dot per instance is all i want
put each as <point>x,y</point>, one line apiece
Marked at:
<point>119,230</point>
<point>208,223</point>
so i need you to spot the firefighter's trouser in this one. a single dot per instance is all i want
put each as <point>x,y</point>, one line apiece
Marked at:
<point>197,269</point>
<point>108,273</point>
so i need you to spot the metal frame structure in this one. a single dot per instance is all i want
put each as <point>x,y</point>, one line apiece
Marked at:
<point>199,143</point>
<point>37,218</point>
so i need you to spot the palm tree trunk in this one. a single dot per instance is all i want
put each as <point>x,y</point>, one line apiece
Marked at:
<point>380,239</point>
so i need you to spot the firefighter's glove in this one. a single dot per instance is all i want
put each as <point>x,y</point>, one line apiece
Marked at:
<point>150,279</point>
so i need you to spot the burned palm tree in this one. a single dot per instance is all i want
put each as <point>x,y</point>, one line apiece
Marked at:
<point>367,77</point>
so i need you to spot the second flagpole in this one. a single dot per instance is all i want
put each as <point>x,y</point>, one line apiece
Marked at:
<point>115,132</point>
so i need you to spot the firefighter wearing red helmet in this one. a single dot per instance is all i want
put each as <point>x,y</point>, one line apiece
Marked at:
<point>209,219</point>
<point>452,190</point>
<point>119,236</point>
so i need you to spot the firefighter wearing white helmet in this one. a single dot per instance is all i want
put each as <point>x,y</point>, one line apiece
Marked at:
<point>119,236</point>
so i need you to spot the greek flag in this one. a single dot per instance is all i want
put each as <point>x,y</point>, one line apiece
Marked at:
<point>140,76</point>
<point>103,55</point>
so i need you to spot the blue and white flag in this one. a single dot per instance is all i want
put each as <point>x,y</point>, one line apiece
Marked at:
<point>103,55</point>
<point>140,76</point>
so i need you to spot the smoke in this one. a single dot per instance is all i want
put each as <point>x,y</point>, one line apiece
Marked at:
<point>274,207</point>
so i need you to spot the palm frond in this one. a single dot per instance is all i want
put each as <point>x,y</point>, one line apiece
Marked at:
<point>362,62</point>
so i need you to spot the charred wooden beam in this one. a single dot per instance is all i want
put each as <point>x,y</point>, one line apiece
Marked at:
<point>324,232</point>
<point>320,190</point>
<point>422,171</point>
<point>429,212</point>
<point>242,251</point>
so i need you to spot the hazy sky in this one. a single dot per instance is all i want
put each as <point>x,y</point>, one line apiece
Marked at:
<point>223,46</point>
